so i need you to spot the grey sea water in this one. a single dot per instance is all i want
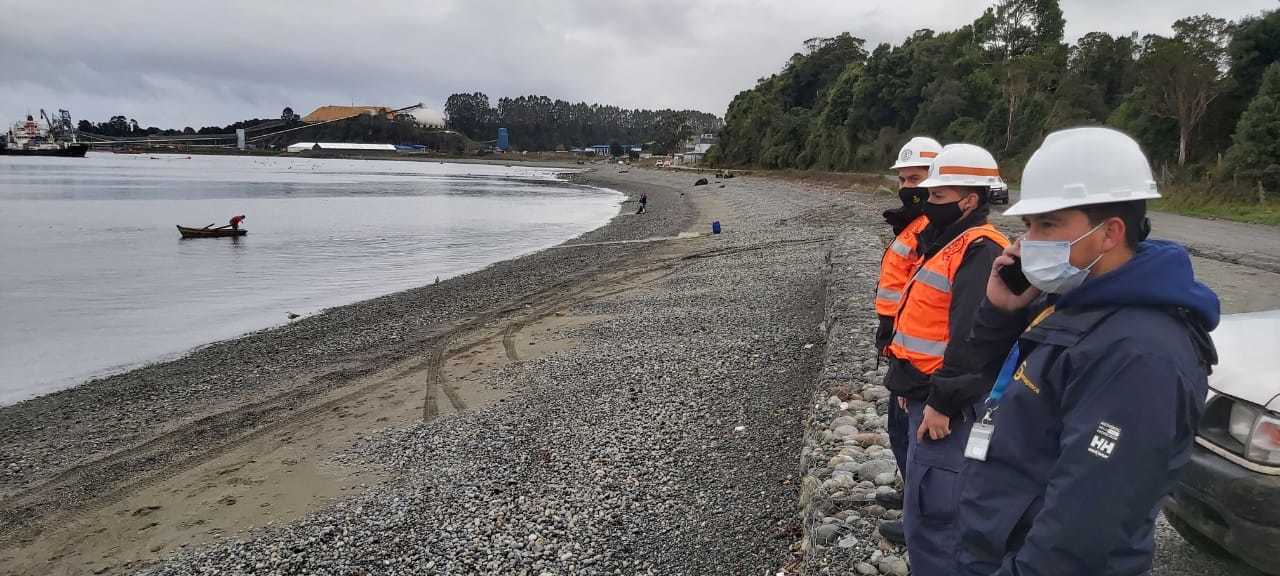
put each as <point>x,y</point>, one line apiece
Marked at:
<point>94,278</point>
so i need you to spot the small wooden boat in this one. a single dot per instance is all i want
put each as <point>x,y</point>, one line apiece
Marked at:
<point>207,232</point>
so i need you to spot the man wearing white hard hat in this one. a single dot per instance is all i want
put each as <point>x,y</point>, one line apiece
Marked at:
<point>937,306</point>
<point>1102,342</point>
<point>896,267</point>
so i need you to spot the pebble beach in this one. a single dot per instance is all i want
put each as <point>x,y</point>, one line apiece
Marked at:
<point>648,398</point>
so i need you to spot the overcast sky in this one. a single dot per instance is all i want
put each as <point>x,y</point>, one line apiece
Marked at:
<point>180,63</point>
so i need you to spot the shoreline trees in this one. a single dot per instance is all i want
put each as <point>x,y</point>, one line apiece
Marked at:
<point>540,123</point>
<point>1004,81</point>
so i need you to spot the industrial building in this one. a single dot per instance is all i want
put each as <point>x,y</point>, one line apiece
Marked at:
<point>339,147</point>
<point>328,113</point>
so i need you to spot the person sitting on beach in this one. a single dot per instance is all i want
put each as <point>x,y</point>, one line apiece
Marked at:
<point>235,221</point>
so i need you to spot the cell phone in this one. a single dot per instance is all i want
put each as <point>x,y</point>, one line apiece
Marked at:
<point>1014,278</point>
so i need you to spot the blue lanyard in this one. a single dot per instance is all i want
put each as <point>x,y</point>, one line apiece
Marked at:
<point>1010,363</point>
<point>1006,375</point>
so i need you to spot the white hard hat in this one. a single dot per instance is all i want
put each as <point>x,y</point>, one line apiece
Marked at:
<point>1083,166</point>
<point>919,151</point>
<point>963,165</point>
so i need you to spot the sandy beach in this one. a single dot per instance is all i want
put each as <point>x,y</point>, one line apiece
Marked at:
<point>634,401</point>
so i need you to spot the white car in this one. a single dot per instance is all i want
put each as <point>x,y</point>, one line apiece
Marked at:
<point>1228,497</point>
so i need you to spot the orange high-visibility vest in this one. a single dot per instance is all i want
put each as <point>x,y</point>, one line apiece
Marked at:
<point>896,266</point>
<point>923,323</point>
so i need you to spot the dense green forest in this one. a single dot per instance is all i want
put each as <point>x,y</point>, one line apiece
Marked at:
<point>1203,101</point>
<point>535,123</point>
<point>540,123</point>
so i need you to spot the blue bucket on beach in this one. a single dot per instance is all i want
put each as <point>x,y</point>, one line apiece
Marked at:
<point>715,227</point>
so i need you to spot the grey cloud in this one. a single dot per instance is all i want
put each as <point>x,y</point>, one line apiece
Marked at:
<point>187,63</point>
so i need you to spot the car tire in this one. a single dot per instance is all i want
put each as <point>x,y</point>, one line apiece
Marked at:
<point>1195,538</point>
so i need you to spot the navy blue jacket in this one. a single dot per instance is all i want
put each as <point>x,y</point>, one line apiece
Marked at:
<point>1097,422</point>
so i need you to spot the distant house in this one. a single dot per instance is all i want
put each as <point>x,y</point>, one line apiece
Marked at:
<point>327,113</point>
<point>603,149</point>
<point>687,158</point>
<point>701,143</point>
<point>695,149</point>
<point>339,147</point>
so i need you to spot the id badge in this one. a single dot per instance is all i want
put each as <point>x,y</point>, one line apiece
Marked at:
<point>979,441</point>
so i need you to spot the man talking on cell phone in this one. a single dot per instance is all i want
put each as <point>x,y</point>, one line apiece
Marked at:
<point>1102,371</point>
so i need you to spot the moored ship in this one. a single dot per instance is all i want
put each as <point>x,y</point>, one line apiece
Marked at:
<point>55,138</point>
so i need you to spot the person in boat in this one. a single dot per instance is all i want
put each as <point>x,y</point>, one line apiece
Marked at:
<point>235,221</point>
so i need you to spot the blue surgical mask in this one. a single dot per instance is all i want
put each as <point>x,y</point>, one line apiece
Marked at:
<point>1047,264</point>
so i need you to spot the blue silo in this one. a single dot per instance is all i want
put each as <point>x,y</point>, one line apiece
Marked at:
<point>503,144</point>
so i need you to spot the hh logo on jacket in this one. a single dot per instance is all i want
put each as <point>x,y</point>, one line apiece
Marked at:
<point>1104,440</point>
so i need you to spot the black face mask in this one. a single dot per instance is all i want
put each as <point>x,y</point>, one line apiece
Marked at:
<point>943,215</point>
<point>913,199</point>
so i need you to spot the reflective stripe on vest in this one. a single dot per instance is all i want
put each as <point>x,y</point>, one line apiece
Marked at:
<point>896,267</point>
<point>922,325</point>
<point>920,345</point>
<point>889,295</point>
<point>938,281</point>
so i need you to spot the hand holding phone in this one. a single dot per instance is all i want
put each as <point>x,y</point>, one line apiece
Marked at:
<point>1014,278</point>
<point>1008,288</point>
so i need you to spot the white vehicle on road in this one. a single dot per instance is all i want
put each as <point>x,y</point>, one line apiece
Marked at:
<point>1228,497</point>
